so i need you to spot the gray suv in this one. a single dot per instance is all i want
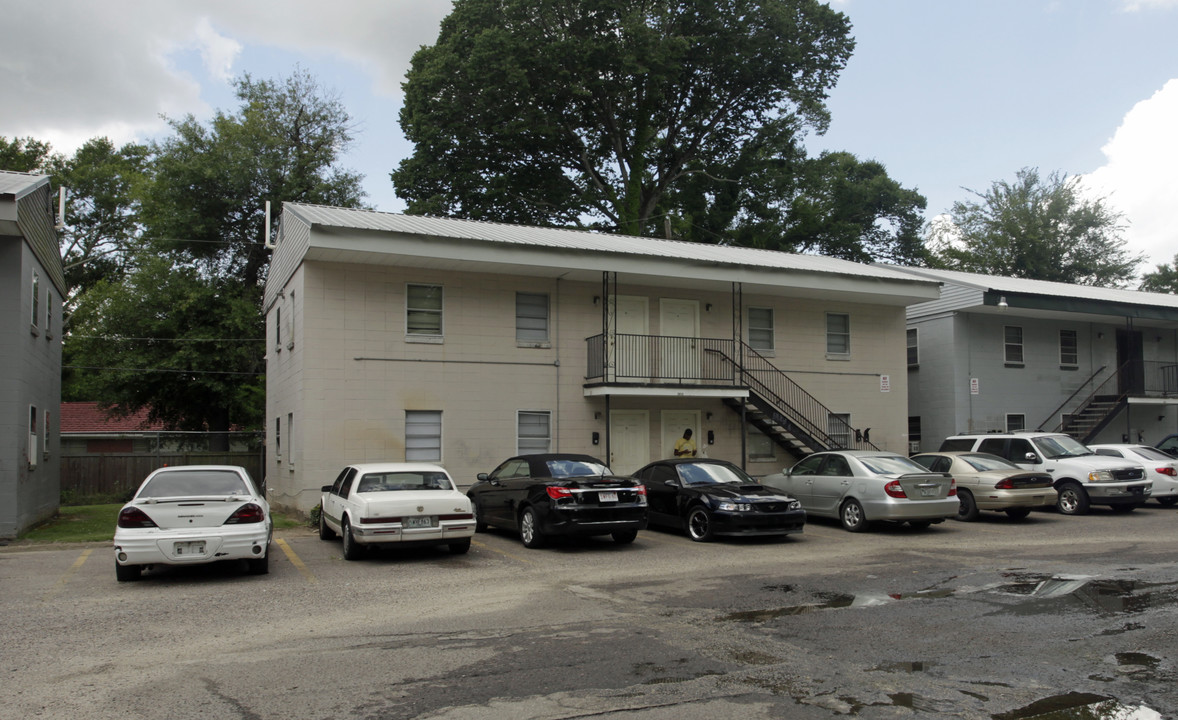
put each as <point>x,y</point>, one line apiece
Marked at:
<point>1081,477</point>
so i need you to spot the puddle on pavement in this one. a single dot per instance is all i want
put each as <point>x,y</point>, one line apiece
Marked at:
<point>830,601</point>
<point>908,667</point>
<point>1079,706</point>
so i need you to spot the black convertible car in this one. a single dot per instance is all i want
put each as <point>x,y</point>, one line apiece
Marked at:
<point>714,497</point>
<point>558,494</point>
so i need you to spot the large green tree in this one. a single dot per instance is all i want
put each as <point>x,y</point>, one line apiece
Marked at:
<point>643,116</point>
<point>182,333</point>
<point>1036,228</point>
<point>1164,279</point>
<point>23,154</point>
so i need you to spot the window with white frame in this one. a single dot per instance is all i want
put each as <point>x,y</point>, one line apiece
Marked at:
<point>45,435</point>
<point>48,311</point>
<point>32,448</point>
<point>761,328</point>
<point>1069,348</point>
<point>760,445</point>
<point>838,427</point>
<point>838,334</point>
<point>278,327</point>
<point>423,435</point>
<point>1012,337</point>
<point>290,441</point>
<point>913,347</point>
<point>36,298</point>
<point>534,430</point>
<point>1015,422</point>
<point>423,310</point>
<point>278,437</point>
<point>531,318</point>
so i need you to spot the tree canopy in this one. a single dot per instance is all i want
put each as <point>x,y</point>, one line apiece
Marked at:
<point>1036,228</point>
<point>22,154</point>
<point>1164,279</point>
<point>630,116</point>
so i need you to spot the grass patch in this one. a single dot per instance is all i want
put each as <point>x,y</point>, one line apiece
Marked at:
<point>96,523</point>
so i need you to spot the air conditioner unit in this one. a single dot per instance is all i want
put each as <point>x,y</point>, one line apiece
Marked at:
<point>913,447</point>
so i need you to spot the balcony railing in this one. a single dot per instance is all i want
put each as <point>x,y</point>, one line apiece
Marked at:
<point>622,358</point>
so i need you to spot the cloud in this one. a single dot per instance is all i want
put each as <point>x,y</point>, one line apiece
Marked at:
<point>1138,5</point>
<point>1140,175</point>
<point>217,51</point>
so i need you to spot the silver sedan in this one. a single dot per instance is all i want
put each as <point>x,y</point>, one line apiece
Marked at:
<point>988,482</point>
<point>859,487</point>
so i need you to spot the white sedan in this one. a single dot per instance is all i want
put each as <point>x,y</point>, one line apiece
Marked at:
<point>395,503</point>
<point>193,514</point>
<point>1159,467</point>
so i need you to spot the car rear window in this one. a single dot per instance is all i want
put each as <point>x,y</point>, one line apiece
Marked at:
<point>982,461</point>
<point>885,465</point>
<point>398,481</point>
<point>192,483</point>
<point>575,468</point>
<point>957,444</point>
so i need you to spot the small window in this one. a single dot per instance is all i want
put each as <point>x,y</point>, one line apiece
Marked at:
<point>838,334</point>
<point>423,435</point>
<point>535,432</point>
<point>48,312</point>
<point>913,433</point>
<point>913,347</point>
<point>838,427</point>
<point>760,445</point>
<point>1013,339</point>
<point>45,435</point>
<point>1069,353</point>
<point>278,326</point>
<point>33,449</point>
<point>1015,422</point>
<point>531,318</point>
<point>36,298</point>
<point>290,440</point>
<point>278,437</point>
<point>423,310</point>
<point>761,328</point>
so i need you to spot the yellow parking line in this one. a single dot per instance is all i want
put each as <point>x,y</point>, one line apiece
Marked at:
<point>60,584</point>
<point>295,560</point>
<point>484,546</point>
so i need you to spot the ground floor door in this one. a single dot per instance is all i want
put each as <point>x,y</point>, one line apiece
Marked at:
<point>674,423</point>
<point>629,440</point>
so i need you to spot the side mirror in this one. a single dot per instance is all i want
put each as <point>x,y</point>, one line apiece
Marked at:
<point>1032,457</point>
<point>325,488</point>
<point>671,483</point>
<point>481,477</point>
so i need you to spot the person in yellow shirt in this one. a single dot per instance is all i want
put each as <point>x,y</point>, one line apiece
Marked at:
<point>685,446</point>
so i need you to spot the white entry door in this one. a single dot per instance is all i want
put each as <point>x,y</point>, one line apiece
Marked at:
<point>629,345</point>
<point>674,423</point>
<point>629,440</point>
<point>679,359</point>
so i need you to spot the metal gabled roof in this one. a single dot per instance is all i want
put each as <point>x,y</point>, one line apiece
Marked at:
<point>1023,286</point>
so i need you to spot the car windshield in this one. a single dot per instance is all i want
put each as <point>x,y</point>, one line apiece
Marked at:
<point>194,483</point>
<point>712,474</point>
<point>1059,446</point>
<point>575,468</point>
<point>989,462</point>
<point>891,465</point>
<point>396,481</point>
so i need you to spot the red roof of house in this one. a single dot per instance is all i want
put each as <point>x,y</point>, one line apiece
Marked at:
<point>88,417</point>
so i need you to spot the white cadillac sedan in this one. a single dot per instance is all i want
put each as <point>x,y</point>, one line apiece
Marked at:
<point>382,504</point>
<point>192,514</point>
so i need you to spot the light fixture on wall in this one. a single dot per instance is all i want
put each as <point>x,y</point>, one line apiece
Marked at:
<point>1002,303</point>
<point>596,299</point>
<point>708,307</point>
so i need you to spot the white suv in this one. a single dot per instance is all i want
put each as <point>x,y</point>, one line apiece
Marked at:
<point>1081,477</point>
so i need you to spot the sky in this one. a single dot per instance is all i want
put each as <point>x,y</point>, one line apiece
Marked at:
<point>950,95</point>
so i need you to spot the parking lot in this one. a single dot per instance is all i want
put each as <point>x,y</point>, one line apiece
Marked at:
<point>996,618</point>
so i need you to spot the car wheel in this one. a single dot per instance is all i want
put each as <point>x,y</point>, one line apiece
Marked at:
<point>460,547</point>
<point>1167,501</point>
<point>1019,513</point>
<point>920,524</point>
<point>127,573</point>
<point>1072,500</point>
<point>479,525</point>
<point>852,517</point>
<point>325,533</point>
<point>624,537</point>
<point>529,529</point>
<point>699,524</point>
<point>967,508</point>
<point>352,549</point>
<point>260,566</point>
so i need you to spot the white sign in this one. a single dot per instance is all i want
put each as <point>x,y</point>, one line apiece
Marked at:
<point>885,383</point>
<point>973,386</point>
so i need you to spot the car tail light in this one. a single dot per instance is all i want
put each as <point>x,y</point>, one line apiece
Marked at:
<point>248,513</point>
<point>953,487</point>
<point>1168,470</point>
<point>559,493</point>
<point>1004,484</point>
<point>640,490</point>
<point>893,489</point>
<point>133,517</point>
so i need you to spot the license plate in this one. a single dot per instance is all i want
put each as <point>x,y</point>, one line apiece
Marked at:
<point>928,492</point>
<point>607,497</point>
<point>420,522</point>
<point>195,547</point>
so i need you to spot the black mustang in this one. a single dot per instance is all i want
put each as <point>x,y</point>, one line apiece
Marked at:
<point>714,497</point>
<point>558,494</point>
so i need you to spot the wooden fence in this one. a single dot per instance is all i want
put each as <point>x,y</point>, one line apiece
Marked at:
<point>109,478</point>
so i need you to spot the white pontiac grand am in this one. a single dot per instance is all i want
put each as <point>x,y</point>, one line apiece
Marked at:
<point>380,504</point>
<point>193,514</point>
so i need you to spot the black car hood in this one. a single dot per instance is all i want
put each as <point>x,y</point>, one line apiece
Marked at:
<point>739,492</point>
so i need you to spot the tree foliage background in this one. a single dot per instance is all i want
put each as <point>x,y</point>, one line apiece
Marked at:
<point>655,117</point>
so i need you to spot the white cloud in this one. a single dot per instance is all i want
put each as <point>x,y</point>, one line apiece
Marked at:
<point>1140,177</point>
<point>1137,5</point>
<point>217,51</point>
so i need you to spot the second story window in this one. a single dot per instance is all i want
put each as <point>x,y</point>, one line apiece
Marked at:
<point>913,347</point>
<point>36,298</point>
<point>1013,341</point>
<point>531,318</point>
<point>423,310</point>
<point>761,328</point>
<point>838,334</point>
<point>1069,348</point>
